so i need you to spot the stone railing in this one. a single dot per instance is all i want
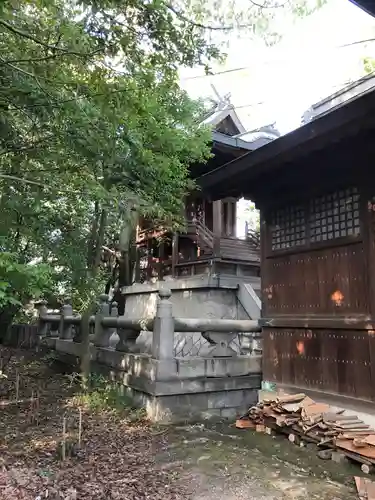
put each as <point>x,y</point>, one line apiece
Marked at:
<point>223,382</point>
<point>218,333</point>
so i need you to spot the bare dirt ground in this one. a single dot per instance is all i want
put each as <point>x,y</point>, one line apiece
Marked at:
<point>123,457</point>
<point>225,464</point>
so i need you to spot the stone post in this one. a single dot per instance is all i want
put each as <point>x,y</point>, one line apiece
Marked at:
<point>114,314</point>
<point>163,336</point>
<point>127,338</point>
<point>102,334</point>
<point>114,309</point>
<point>66,329</point>
<point>43,325</point>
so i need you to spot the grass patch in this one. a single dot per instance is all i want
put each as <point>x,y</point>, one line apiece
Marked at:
<point>105,395</point>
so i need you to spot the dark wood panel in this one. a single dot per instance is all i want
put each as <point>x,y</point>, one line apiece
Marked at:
<point>327,281</point>
<point>21,335</point>
<point>336,361</point>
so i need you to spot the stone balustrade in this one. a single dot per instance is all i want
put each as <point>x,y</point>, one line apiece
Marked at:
<point>219,333</point>
<point>221,383</point>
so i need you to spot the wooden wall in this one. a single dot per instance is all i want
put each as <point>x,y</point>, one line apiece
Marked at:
<point>331,360</point>
<point>327,281</point>
<point>318,263</point>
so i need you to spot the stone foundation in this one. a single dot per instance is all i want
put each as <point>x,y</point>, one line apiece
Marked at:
<point>179,389</point>
<point>196,407</point>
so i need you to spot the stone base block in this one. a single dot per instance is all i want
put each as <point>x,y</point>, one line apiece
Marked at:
<point>190,408</point>
<point>180,389</point>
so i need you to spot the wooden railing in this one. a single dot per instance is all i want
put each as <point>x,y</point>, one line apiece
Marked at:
<point>204,235</point>
<point>252,236</point>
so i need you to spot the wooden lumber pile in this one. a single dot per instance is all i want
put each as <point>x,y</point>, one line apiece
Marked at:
<point>303,419</point>
<point>365,488</point>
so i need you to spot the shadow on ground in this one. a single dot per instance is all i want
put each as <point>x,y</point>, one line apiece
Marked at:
<point>122,459</point>
<point>221,463</point>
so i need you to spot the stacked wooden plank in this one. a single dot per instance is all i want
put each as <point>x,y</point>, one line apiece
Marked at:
<point>305,420</point>
<point>365,488</point>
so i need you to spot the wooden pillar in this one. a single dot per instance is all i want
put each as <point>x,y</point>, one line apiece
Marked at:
<point>137,264</point>
<point>204,207</point>
<point>229,218</point>
<point>161,258</point>
<point>174,253</point>
<point>217,210</point>
<point>217,244</point>
<point>234,219</point>
<point>149,259</point>
<point>368,224</point>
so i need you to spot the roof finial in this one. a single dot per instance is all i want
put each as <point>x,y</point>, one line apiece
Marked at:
<point>222,101</point>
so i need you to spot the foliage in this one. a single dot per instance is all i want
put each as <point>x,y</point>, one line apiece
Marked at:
<point>21,282</point>
<point>368,65</point>
<point>104,394</point>
<point>95,130</point>
<point>89,141</point>
<point>252,216</point>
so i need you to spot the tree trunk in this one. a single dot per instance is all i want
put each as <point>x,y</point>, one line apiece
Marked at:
<point>127,259</point>
<point>122,276</point>
<point>85,321</point>
<point>85,348</point>
<point>93,236</point>
<point>7,315</point>
<point>100,240</point>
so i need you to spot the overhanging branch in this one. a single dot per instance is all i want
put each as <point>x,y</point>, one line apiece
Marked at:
<point>20,179</point>
<point>54,48</point>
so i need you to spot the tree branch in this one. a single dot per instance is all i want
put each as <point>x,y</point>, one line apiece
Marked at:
<point>265,6</point>
<point>26,148</point>
<point>20,179</point>
<point>17,69</point>
<point>55,48</point>
<point>182,16</point>
<point>46,58</point>
<point>78,98</point>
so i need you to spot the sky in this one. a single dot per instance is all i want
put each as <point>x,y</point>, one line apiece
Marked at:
<point>279,83</point>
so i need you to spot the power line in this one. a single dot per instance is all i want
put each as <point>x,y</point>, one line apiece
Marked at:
<point>242,68</point>
<point>260,103</point>
<point>251,105</point>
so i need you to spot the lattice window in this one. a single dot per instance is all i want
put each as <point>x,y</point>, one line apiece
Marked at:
<point>326,218</point>
<point>334,216</point>
<point>288,228</point>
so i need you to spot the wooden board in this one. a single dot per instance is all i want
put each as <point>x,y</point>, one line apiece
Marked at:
<point>315,409</point>
<point>370,439</point>
<point>245,424</point>
<point>365,488</point>
<point>347,444</point>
